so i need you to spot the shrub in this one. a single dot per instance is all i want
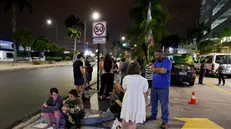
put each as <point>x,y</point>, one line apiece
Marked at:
<point>37,62</point>
<point>57,59</point>
<point>50,59</point>
<point>67,58</point>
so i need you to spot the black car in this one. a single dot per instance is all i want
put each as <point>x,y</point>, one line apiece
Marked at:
<point>183,74</point>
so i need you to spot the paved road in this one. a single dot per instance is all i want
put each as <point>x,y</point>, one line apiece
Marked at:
<point>24,91</point>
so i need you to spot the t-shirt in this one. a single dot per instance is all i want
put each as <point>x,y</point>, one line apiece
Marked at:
<point>116,96</point>
<point>148,73</point>
<point>76,69</point>
<point>162,80</point>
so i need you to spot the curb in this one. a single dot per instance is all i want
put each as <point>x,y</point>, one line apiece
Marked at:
<point>19,124</point>
<point>25,68</point>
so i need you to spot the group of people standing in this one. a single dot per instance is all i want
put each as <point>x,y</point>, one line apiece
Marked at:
<point>220,72</point>
<point>128,99</point>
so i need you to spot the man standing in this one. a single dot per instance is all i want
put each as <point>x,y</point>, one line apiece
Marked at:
<point>124,66</point>
<point>202,71</point>
<point>160,86</point>
<point>79,73</point>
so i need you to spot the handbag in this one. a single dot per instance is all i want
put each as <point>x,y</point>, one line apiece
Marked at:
<point>81,113</point>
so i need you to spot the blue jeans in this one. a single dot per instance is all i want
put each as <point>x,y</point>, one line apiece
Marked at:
<point>161,94</point>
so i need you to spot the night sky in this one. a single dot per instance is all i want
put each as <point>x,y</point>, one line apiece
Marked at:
<point>183,13</point>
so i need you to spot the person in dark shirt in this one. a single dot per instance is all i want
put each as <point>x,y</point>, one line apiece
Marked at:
<point>116,100</point>
<point>89,70</point>
<point>202,71</point>
<point>79,73</point>
<point>51,109</point>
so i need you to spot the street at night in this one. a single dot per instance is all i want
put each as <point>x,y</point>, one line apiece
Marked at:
<point>137,55</point>
<point>24,91</point>
<point>31,88</point>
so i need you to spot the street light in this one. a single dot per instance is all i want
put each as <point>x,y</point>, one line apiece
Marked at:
<point>50,22</point>
<point>135,45</point>
<point>123,38</point>
<point>95,15</point>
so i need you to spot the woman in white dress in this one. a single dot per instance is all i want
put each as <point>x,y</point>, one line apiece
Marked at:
<point>133,106</point>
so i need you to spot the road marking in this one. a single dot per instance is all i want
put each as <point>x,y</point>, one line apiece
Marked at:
<point>218,88</point>
<point>199,123</point>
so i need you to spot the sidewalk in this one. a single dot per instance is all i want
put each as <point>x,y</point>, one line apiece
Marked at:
<point>17,66</point>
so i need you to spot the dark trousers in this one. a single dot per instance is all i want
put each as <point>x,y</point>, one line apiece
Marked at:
<point>150,83</point>
<point>77,120</point>
<point>161,94</point>
<point>221,78</point>
<point>107,80</point>
<point>201,77</point>
<point>116,109</point>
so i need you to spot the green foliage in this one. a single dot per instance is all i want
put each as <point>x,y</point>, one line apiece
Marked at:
<point>24,38</point>
<point>40,43</point>
<point>139,29</point>
<point>206,47</point>
<point>73,32</point>
<point>37,62</point>
<point>67,58</point>
<point>53,47</point>
<point>184,58</point>
<point>74,26</point>
<point>72,52</point>
<point>50,60</point>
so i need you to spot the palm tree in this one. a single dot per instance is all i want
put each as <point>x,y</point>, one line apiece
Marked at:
<point>16,6</point>
<point>74,27</point>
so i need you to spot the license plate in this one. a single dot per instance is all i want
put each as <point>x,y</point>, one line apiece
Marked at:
<point>183,73</point>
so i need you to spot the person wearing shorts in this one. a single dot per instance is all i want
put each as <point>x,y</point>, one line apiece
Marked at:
<point>79,73</point>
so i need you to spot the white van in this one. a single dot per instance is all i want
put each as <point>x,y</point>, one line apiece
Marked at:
<point>213,60</point>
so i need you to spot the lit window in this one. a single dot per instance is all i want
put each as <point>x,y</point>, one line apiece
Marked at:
<point>217,22</point>
<point>219,6</point>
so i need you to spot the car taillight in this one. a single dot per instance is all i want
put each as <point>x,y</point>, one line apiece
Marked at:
<point>212,67</point>
<point>194,72</point>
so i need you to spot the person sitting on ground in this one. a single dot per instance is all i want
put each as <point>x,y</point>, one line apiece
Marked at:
<point>51,109</point>
<point>116,100</point>
<point>73,110</point>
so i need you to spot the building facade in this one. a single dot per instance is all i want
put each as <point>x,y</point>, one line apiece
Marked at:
<point>216,14</point>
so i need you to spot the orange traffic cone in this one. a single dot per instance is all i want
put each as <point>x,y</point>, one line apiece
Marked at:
<point>193,99</point>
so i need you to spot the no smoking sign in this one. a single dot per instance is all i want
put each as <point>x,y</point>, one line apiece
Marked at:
<point>99,29</point>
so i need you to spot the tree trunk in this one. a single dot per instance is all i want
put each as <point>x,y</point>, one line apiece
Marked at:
<point>14,31</point>
<point>74,53</point>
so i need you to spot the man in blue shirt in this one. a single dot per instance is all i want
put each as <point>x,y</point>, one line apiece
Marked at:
<point>160,86</point>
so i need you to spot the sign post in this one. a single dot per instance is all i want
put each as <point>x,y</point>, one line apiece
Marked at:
<point>99,37</point>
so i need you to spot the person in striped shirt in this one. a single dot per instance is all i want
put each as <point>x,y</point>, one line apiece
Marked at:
<point>148,74</point>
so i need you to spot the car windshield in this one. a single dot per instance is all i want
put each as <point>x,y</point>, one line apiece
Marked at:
<point>182,66</point>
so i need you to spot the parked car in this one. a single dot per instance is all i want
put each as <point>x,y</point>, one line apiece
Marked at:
<point>183,74</point>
